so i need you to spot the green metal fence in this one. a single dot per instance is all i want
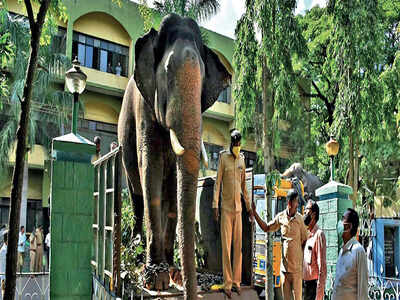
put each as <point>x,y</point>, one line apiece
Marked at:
<point>107,224</point>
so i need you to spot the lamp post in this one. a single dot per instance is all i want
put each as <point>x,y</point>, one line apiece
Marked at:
<point>332,148</point>
<point>75,81</point>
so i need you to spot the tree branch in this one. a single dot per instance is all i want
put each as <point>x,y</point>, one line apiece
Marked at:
<point>31,17</point>
<point>44,5</point>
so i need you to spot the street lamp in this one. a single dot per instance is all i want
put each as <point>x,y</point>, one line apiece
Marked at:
<point>75,81</point>
<point>332,148</point>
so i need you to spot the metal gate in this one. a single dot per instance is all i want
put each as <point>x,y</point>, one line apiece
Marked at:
<point>107,226</point>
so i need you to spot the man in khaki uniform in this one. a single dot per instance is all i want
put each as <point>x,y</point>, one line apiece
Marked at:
<point>294,235</point>
<point>232,175</point>
<point>36,250</point>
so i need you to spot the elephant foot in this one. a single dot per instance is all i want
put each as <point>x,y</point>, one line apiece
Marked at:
<point>175,276</point>
<point>156,277</point>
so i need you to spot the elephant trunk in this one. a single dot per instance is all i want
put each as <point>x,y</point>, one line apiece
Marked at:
<point>187,189</point>
<point>188,165</point>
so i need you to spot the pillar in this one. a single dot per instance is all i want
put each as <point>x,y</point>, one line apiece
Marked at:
<point>72,184</point>
<point>334,200</point>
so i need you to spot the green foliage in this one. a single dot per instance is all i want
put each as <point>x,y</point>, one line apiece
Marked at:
<point>272,179</point>
<point>265,90</point>
<point>247,88</point>
<point>132,252</point>
<point>199,10</point>
<point>46,96</point>
<point>350,74</point>
<point>147,16</point>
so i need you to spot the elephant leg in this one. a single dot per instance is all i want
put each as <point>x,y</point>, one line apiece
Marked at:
<point>171,218</point>
<point>152,177</point>
<point>135,193</point>
<point>138,208</point>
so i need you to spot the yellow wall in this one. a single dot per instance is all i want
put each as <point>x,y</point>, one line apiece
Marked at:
<point>215,132</point>
<point>100,107</point>
<point>36,156</point>
<point>103,26</point>
<point>110,80</point>
<point>385,212</point>
<point>19,8</point>
<point>34,185</point>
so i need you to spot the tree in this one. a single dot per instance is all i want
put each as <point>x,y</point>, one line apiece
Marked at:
<point>356,53</point>
<point>6,54</point>
<point>376,154</point>
<point>36,25</point>
<point>281,40</point>
<point>198,10</point>
<point>49,102</point>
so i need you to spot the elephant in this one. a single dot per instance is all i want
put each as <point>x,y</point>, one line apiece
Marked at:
<point>176,78</point>
<point>310,181</point>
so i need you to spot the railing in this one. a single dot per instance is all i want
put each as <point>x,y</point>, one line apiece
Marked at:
<point>379,288</point>
<point>32,286</point>
<point>107,226</point>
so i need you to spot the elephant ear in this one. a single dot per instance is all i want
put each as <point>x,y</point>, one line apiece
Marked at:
<point>216,79</point>
<point>144,65</point>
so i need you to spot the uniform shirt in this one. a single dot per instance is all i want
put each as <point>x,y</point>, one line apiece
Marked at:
<point>36,239</point>
<point>3,253</point>
<point>294,234</point>
<point>21,242</point>
<point>232,175</point>
<point>351,282</point>
<point>314,263</point>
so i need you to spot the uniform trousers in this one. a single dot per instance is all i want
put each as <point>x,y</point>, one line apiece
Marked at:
<point>39,259</point>
<point>20,261</point>
<point>292,285</point>
<point>32,256</point>
<point>231,233</point>
<point>310,289</point>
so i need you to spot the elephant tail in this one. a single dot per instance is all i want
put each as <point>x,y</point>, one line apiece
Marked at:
<point>138,210</point>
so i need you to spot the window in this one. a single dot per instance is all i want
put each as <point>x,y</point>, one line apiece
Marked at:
<point>250,158</point>
<point>100,54</point>
<point>225,95</point>
<point>59,41</point>
<point>213,153</point>
<point>389,238</point>
<point>34,214</point>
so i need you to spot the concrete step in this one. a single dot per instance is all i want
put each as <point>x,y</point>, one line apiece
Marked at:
<point>248,293</point>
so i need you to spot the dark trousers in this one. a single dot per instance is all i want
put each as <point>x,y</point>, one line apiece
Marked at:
<point>309,289</point>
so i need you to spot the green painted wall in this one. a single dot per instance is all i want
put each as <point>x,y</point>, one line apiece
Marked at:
<point>129,18</point>
<point>71,222</point>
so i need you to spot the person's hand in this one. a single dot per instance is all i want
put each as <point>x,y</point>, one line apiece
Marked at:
<point>216,214</point>
<point>251,218</point>
<point>253,207</point>
<point>251,215</point>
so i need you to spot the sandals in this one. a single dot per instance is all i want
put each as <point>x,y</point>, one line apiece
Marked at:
<point>237,290</point>
<point>228,293</point>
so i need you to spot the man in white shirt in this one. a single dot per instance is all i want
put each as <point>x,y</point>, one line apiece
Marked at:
<point>3,254</point>
<point>21,249</point>
<point>47,242</point>
<point>351,282</point>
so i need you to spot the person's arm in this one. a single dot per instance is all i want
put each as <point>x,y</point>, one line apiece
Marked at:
<point>244,189</point>
<point>320,247</point>
<point>217,186</point>
<point>362,275</point>
<point>270,227</point>
<point>304,233</point>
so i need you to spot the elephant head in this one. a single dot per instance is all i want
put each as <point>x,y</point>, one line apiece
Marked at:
<point>179,78</point>
<point>310,181</point>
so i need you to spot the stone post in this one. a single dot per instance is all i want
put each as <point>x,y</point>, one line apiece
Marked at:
<point>334,200</point>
